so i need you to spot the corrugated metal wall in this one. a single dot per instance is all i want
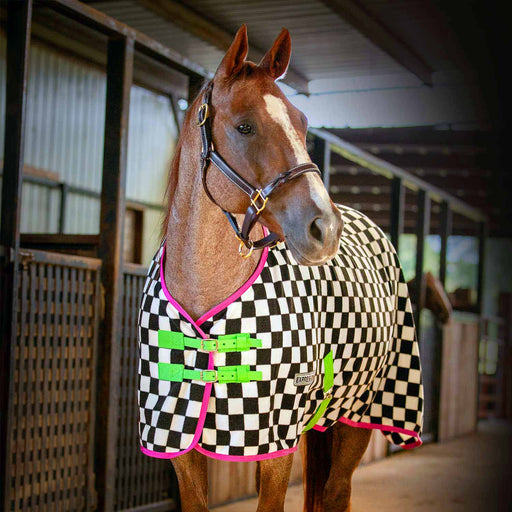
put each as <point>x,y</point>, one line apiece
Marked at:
<point>65,123</point>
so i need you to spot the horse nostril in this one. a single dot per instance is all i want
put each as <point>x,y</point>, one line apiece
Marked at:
<point>315,230</point>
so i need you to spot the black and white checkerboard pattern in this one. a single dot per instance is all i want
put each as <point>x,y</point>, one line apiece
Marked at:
<point>357,305</point>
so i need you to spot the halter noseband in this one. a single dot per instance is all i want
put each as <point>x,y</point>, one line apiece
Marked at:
<point>257,196</point>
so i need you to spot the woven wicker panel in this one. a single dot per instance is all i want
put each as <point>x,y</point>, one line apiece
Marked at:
<point>140,480</point>
<point>51,446</point>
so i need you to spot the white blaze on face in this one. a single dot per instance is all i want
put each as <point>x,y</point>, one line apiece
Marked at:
<point>277,110</point>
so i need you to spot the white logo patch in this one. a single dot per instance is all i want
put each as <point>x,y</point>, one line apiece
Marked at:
<point>304,379</point>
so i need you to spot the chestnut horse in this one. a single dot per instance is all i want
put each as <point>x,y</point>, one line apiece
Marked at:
<point>261,135</point>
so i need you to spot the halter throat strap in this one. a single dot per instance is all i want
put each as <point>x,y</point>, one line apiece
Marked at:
<point>258,196</point>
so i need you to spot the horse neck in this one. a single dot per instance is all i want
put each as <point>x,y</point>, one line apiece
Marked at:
<point>202,265</point>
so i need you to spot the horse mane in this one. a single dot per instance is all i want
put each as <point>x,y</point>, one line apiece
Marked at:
<point>246,70</point>
<point>172,177</point>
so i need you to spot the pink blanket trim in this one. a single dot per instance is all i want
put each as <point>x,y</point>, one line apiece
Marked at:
<point>208,386</point>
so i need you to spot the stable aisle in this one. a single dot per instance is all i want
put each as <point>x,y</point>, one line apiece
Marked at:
<point>470,474</point>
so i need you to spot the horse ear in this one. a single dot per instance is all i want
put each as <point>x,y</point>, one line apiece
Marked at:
<point>235,56</point>
<point>276,60</point>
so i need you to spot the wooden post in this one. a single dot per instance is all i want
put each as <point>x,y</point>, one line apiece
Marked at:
<point>19,19</point>
<point>422,231</point>
<point>446,221</point>
<point>482,237</point>
<point>445,230</point>
<point>64,192</point>
<point>119,81</point>
<point>397,211</point>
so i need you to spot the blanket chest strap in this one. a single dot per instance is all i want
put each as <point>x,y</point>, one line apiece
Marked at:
<point>226,343</point>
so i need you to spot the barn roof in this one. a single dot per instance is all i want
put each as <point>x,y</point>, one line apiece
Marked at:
<point>331,38</point>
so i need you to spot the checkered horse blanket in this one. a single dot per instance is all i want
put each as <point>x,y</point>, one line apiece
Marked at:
<point>295,348</point>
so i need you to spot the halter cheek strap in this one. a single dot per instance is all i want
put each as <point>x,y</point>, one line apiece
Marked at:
<point>258,196</point>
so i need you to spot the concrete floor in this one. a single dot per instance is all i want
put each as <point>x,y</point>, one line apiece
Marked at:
<point>470,474</point>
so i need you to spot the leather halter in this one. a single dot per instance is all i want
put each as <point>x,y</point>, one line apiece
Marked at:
<point>257,196</point>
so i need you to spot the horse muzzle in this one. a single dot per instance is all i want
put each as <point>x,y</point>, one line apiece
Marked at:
<point>315,241</point>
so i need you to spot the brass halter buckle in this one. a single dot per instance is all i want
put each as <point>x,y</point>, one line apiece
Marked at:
<point>242,244</point>
<point>259,195</point>
<point>204,107</point>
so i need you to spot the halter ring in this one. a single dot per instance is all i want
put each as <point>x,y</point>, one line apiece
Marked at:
<point>242,244</point>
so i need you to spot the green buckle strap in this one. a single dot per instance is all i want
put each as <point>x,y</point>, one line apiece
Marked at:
<point>328,385</point>
<point>237,343</point>
<point>176,340</point>
<point>227,343</point>
<point>224,374</point>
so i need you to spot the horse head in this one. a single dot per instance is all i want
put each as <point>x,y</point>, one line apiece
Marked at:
<point>261,134</point>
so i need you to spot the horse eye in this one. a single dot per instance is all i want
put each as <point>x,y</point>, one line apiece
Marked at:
<point>244,129</point>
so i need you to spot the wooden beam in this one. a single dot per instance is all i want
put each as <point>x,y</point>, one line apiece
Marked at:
<point>201,27</point>
<point>19,18</point>
<point>370,27</point>
<point>379,148</point>
<point>446,183</point>
<point>380,196</point>
<point>119,82</point>
<point>99,21</point>
<point>419,170</point>
<point>75,40</point>
<point>438,160</point>
<point>414,135</point>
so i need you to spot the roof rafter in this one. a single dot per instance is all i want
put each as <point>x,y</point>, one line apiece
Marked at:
<point>189,20</point>
<point>357,16</point>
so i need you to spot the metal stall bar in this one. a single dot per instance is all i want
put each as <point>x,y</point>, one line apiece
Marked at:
<point>397,211</point>
<point>321,155</point>
<point>19,19</point>
<point>119,81</point>
<point>422,231</point>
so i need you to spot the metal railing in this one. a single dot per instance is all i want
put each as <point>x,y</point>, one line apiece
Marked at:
<point>65,189</point>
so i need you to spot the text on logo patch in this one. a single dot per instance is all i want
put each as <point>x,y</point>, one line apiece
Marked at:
<point>303,379</point>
